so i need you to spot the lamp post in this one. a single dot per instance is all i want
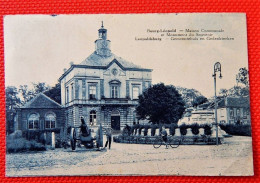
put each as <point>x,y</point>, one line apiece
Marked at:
<point>217,68</point>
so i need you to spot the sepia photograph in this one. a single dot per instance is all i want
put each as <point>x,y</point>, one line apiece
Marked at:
<point>127,94</point>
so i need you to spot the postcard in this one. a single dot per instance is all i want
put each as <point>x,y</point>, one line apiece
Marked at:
<point>127,94</point>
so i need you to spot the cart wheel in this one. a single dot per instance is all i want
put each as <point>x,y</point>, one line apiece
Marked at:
<point>73,139</point>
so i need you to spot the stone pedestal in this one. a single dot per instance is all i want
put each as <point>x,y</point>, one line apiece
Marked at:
<point>220,132</point>
<point>149,133</point>
<point>189,132</point>
<point>177,132</point>
<point>201,131</point>
<point>53,140</point>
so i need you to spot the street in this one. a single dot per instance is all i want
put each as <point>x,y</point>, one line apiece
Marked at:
<point>231,158</point>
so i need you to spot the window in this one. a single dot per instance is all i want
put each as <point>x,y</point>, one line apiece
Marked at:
<point>50,121</point>
<point>135,92</point>
<point>114,91</point>
<point>238,112</point>
<point>92,91</point>
<point>245,113</point>
<point>115,88</point>
<point>231,113</point>
<point>93,118</point>
<point>72,92</point>
<point>67,95</point>
<point>33,121</point>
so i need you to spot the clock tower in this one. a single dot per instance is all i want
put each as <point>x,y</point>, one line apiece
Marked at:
<point>102,44</point>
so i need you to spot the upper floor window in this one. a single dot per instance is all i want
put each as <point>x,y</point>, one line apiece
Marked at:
<point>92,92</point>
<point>231,113</point>
<point>33,121</point>
<point>67,94</point>
<point>50,120</point>
<point>72,91</point>
<point>238,112</point>
<point>114,91</point>
<point>135,92</point>
<point>245,112</point>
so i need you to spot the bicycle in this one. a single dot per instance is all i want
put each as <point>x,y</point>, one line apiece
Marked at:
<point>173,142</point>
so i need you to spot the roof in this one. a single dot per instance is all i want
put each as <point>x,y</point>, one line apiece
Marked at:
<point>232,102</point>
<point>237,102</point>
<point>41,101</point>
<point>97,60</point>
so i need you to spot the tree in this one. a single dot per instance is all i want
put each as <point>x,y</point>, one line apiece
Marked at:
<point>188,95</point>
<point>242,87</point>
<point>223,92</point>
<point>40,87</point>
<point>199,100</point>
<point>11,97</point>
<point>28,94</point>
<point>12,100</point>
<point>54,93</point>
<point>161,104</point>
<point>242,76</point>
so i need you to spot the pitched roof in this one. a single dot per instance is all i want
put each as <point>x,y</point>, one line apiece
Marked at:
<point>97,60</point>
<point>41,101</point>
<point>237,102</point>
<point>232,102</point>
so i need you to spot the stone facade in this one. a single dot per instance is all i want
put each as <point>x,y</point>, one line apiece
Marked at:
<point>104,88</point>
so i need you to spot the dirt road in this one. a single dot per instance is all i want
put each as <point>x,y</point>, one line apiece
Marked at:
<point>232,158</point>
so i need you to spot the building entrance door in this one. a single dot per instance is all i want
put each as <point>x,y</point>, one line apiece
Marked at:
<point>115,120</point>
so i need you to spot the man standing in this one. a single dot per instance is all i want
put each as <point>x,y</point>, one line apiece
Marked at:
<point>109,137</point>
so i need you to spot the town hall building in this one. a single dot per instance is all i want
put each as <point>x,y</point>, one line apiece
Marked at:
<point>104,88</point>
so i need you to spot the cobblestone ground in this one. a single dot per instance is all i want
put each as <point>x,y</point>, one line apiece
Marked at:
<point>232,158</point>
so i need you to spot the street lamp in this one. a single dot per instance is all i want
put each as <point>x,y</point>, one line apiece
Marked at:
<point>217,68</point>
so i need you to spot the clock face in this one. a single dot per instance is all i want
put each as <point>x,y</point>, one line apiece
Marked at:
<point>114,71</point>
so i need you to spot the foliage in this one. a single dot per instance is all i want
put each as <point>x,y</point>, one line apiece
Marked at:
<point>242,76</point>
<point>54,93</point>
<point>160,104</point>
<point>12,101</point>
<point>239,90</point>
<point>11,97</point>
<point>207,129</point>
<point>188,95</point>
<point>153,129</point>
<point>15,143</point>
<point>146,127</point>
<point>172,128</point>
<point>183,129</point>
<point>141,127</point>
<point>233,129</point>
<point>223,92</point>
<point>134,129</point>
<point>199,100</point>
<point>195,129</point>
<point>27,94</point>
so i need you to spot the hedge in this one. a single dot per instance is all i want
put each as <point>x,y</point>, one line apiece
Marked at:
<point>234,129</point>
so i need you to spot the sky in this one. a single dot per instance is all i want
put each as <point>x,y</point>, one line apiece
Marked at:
<point>39,47</point>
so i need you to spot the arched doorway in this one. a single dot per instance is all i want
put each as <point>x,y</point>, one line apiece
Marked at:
<point>115,120</point>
